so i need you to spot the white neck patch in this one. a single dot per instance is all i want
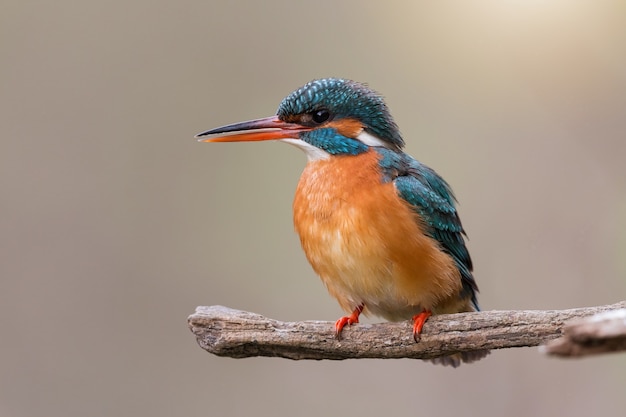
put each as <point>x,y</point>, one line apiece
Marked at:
<point>312,153</point>
<point>315,154</point>
<point>371,140</point>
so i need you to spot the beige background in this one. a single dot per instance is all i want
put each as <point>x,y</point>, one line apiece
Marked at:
<point>116,223</point>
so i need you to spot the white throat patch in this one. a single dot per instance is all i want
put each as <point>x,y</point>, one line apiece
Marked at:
<point>312,153</point>
<point>315,154</point>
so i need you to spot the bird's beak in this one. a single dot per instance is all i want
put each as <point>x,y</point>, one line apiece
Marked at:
<point>268,128</point>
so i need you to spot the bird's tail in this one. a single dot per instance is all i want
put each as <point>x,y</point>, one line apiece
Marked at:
<point>456,359</point>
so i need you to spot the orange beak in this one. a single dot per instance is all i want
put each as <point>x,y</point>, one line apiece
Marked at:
<point>268,128</point>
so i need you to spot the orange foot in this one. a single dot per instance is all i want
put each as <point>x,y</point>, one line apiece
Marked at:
<point>418,323</point>
<point>351,319</point>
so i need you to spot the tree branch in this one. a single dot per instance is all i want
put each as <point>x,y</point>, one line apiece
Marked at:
<point>600,333</point>
<point>239,334</point>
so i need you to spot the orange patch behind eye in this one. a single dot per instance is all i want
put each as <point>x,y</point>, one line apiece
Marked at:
<point>349,128</point>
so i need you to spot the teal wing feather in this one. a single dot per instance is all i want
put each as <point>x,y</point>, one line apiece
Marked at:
<point>432,198</point>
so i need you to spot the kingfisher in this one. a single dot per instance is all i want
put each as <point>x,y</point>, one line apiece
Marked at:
<point>379,228</point>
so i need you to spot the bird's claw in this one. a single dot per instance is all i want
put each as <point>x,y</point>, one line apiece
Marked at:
<point>349,320</point>
<point>418,323</point>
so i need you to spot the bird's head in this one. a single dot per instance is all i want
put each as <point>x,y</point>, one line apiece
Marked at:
<point>330,116</point>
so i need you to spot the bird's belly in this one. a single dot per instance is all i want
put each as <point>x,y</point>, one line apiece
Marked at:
<point>352,265</point>
<point>367,244</point>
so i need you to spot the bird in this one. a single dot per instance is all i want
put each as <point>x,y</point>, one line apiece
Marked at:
<point>380,228</point>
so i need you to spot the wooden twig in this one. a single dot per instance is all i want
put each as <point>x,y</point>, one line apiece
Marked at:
<point>601,333</point>
<point>238,334</point>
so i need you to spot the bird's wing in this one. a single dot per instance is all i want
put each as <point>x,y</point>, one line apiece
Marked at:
<point>431,197</point>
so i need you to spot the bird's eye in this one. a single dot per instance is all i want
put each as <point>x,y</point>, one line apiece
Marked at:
<point>320,116</point>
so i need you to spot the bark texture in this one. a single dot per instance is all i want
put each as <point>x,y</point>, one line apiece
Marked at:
<point>239,334</point>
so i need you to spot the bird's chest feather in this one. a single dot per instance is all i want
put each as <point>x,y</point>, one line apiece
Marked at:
<point>365,242</point>
<point>335,213</point>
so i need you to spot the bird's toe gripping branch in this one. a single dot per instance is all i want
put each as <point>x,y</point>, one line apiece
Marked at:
<point>418,323</point>
<point>351,319</point>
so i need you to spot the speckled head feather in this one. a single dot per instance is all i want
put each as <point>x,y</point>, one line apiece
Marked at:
<point>344,99</point>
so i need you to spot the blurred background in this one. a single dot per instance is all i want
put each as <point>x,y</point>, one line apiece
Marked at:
<point>116,223</point>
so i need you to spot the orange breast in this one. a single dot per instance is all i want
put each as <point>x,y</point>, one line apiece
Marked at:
<point>367,244</point>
